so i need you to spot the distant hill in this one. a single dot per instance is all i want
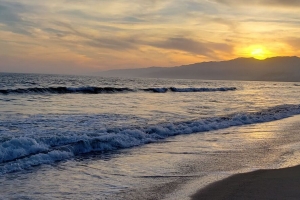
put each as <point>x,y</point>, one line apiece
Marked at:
<point>250,69</point>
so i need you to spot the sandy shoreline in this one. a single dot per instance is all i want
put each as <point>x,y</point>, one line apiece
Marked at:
<point>261,184</point>
<point>272,148</point>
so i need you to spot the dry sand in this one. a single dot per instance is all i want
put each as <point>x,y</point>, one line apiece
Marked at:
<point>283,184</point>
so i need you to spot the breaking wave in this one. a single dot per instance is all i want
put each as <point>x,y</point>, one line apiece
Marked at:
<point>21,153</point>
<point>107,90</point>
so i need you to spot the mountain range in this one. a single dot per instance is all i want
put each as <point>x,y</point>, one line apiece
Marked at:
<point>248,69</point>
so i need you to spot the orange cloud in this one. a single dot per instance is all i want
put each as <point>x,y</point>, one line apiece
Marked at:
<point>99,35</point>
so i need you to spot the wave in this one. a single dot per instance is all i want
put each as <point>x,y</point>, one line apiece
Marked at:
<point>109,90</point>
<point>67,90</point>
<point>21,153</point>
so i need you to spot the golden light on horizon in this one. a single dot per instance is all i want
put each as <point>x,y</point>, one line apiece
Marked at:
<point>259,52</point>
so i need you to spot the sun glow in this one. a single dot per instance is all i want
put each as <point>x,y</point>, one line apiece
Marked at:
<point>258,52</point>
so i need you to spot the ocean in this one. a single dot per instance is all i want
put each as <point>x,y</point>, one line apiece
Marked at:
<point>80,137</point>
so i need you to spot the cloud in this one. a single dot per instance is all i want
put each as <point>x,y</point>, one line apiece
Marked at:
<point>141,32</point>
<point>116,43</point>
<point>10,17</point>
<point>285,3</point>
<point>294,42</point>
<point>230,23</point>
<point>278,21</point>
<point>191,46</point>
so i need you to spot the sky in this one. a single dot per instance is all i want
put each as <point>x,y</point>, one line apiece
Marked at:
<point>75,37</point>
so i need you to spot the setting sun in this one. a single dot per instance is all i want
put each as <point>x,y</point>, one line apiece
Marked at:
<point>258,53</point>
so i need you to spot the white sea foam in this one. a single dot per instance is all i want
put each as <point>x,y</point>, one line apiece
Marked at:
<point>23,152</point>
<point>20,147</point>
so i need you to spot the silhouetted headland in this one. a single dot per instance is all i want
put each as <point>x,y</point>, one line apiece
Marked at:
<point>248,69</point>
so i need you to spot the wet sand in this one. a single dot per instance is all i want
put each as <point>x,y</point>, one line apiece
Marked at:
<point>262,184</point>
<point>207,158</point>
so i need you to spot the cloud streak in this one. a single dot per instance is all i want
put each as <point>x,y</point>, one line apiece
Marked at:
<point>191,46</point>
<point>277,3</point>
<point>140,33</point>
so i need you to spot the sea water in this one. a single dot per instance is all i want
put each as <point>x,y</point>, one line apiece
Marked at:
<point>75,137</point>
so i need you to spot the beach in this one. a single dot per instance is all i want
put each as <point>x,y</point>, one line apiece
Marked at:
<point>176,168</point>
<point>257,166</point>
<point>149,100</point>
<point>282,183</point>
<point>101,138</point>
<point>275,184</point>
